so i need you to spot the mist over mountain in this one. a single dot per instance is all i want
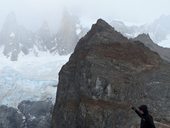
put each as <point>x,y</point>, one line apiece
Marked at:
<point>44,37</point>
<point>16,40</point>
<point>159,29</point>
<point>59,68</point>
<point>67,36</point>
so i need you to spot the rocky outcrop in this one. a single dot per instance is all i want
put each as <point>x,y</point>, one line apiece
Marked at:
<point>105,73</point>
<point>37,114</point>
<point>30,114</point>
<point>10,118</point>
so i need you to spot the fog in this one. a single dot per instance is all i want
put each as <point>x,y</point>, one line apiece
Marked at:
<point>31,13</point>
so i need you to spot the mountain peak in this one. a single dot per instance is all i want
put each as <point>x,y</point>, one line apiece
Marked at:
<point>147,41</point>
<point>101,33</point>
<point>146,36</point>
<point>105,42</point>
<point>102,25</point>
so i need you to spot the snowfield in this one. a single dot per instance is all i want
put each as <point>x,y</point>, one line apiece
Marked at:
<point>30,78</point>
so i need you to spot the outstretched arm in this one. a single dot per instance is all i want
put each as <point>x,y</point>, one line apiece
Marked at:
<point>137,112</point>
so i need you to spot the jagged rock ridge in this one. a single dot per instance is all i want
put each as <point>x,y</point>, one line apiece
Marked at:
<point>163,52</point>
<point>105,73</point>
<point>158,29</point>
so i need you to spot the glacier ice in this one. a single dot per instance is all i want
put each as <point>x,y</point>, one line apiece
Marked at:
<point>29,78</point>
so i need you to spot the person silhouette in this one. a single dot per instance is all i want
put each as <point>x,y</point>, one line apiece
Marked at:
<point>146,118</point>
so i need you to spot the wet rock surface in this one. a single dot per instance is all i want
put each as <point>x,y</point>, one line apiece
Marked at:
<point>105,73</point>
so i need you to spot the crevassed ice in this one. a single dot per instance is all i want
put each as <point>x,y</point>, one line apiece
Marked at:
<point>29,78</point>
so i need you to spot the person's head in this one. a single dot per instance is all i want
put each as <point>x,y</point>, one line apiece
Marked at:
<point>143,109</point>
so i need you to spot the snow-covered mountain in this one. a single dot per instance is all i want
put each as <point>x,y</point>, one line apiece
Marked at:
<point>16,40</point>
<point>159,30</point>
<point>69,33</point>
<point>44,37</point>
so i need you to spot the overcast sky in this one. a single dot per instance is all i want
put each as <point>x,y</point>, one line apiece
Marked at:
<point>32,12</point>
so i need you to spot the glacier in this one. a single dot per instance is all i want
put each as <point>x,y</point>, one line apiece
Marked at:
<point>31,78</point>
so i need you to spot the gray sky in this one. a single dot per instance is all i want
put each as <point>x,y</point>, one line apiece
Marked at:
<point>32,13</point>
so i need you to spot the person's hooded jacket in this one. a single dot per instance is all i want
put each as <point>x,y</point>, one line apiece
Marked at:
<point>146,118</point>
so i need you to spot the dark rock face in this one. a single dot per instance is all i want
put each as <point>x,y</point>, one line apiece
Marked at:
<point>105,73</point>
<point>30,114</point>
